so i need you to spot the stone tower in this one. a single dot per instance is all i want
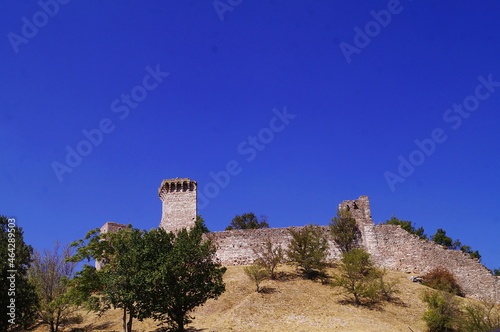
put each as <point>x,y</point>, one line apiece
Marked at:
<point>179,204</point>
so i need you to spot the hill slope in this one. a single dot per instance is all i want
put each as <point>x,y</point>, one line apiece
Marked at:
<point>293,304</point>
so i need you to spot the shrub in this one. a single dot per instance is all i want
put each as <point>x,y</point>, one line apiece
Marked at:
<point>443,312</point>
<point>269,257</point>
<point>308,250</point>
<point>441,279</point>
<point>257,274</point>
<point>387,289</point>
<point>361,279</point>
<point>481,316</point>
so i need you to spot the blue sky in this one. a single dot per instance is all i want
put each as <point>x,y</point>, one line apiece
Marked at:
<point>307,102</point>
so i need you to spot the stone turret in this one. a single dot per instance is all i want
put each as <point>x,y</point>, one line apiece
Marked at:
<point>179,204</point>
<point>360,209</point>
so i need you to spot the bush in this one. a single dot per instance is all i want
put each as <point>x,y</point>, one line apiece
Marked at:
<point>441,279</point>
<point>387,289</point>
<point>361,279</point>
<point>481,316</point>
<point>308,250</point>
<point>257,274</point>
<point>269,257</point>
<point>443,313</point>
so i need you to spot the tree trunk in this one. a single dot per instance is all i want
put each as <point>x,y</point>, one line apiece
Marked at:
<point>130,317</point>
<point>124,319</point>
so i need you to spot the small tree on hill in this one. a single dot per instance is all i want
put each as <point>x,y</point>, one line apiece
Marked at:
<point>360,278</point>
<point>480,316</point>
<point>248,221</point>
<point>257,274</point>
<point>496,272</point>
<point>122,283</point>
<point>308,250</point>
<point>344,230</point>
<point>50,273</point>
<point>269,256</point>
<point>184,275</point>
<point>443,311</point>
<point>143,267</point>
<point>407,226</point>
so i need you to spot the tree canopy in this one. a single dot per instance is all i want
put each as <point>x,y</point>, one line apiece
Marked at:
<point>248,221</point>
<point>18,299</point>
<point>344,230</point>
<point>148,274</point>
<point>308,250</point>
<point>407,226</point>
<point>50,273</point>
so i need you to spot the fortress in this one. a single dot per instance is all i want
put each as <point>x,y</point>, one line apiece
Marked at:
<point>389,245</point>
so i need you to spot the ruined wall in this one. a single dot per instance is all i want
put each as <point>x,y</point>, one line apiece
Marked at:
<point>390,246</point>
<point>179,204</point>
<point>112,227</point>
<point>405,252</point>
<point>236,247</point>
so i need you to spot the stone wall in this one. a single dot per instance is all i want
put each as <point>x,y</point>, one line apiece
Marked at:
<point>390,246</point>
<point>405,252</point>
<point>179,204</point>
<point>236,247</point>
<point>112,227</point>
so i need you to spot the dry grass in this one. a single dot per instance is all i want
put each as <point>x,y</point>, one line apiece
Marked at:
<point>290,304</point>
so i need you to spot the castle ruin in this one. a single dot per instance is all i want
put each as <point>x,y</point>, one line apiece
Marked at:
<point>389,245</point>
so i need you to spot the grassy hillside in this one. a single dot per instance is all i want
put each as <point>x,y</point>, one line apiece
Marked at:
<point>291,304</point>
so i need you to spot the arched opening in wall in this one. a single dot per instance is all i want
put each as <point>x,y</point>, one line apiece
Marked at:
<point>191,186</point>
<point>178,187</point>
<point>184,186</point>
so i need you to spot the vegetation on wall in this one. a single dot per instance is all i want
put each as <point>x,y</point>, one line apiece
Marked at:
<point>248,221</point>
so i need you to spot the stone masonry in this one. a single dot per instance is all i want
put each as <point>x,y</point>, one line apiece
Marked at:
<point>106,228</point>
<point>390,246</point>
<point>179,204</point>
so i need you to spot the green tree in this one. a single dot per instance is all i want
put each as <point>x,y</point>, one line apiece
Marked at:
<point>200,223</point>
<point>50,273</point>
<point>344,230</point>
<point>15,255</point>
<point>496,272</point>
<point>308,250</point>
<point>441,238</point>
<point>468,250</point>
<point>443,311</point>
<point>360,278</point>
<point>122,282</point>
<point>248,221</point>
<point>257,274</point>
<point>407,226</point>
<point>185,275</point>
<point>269,256</point>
